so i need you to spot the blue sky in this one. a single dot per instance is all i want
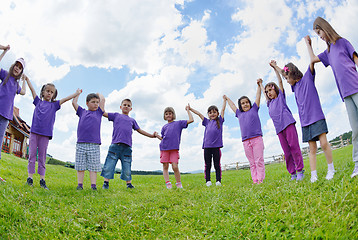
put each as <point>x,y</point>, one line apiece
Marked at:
<point>165,53</point>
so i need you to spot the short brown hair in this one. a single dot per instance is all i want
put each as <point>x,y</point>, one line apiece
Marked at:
<point>90,96</point>
<point>169,109</point>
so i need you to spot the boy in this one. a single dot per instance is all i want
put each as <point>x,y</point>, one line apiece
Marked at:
<point>89,138</point>
<point>121,146</point>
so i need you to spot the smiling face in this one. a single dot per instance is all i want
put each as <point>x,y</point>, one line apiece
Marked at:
<point>322,35</point>
<point>213,114</point>
<point>126,107</point>
<point>17,70</point>
<point>169,116</point>
<point>93,104</point>
<point>245,104</point>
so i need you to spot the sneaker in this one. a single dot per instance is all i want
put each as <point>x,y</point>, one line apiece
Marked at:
<point>218,183</point>
<point>355,172</point>
<point>2,180</point>
<point>29,181</point>
<point>179,185</point>
<point>314,178</point>
<point>94,188</point>
<point>300,176</point>
<point>129,185</point>
<point>208,183</point>
<point>293,177</point>
<point>43,184</point>
<point>105,185</point>
<point>169,185</point>
<point>330,175</point>
<point>79,188</point>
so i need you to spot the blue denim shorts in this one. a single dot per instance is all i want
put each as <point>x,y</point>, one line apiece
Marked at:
<point>124,153</point>
<point>313,131</point>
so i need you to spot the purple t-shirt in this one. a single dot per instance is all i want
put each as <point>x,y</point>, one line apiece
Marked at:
<point>340,58</point>
<point>7,95</point>
<point>279,112</point>
<point>122,128</point>
<point>309,106</point>
<point>171,133</point>
<point>44,117</point>
<point>249,121</point>
<point>213,136</point>
<point>89,125</point>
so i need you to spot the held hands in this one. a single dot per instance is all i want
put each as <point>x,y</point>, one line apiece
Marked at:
<point>308,40</point>
<point>187,108</point>
<point>78,92</point>
<point>5,48</point>
<point>225,97</point>
<point>24,78</point>
<point>259,81</point>
<point>155,134</point>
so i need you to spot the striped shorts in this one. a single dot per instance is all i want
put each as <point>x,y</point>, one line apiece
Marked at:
<point>88,157</point>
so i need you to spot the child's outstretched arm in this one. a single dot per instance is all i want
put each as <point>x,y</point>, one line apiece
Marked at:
<point>263,91</point>
<point>63,100</point>
<point>75,100</point>
<point>23,87</point>
<point>231,103</point>
<point>191,119</point>
<point>147,134</point>
<point>314,59</point>
<point>277,70</point>
<point>32,89</point>
<point>197,113</point>
<point>5,48</point>
<point>258,92</point>
<point>223,108</point>
<point>102,101</point>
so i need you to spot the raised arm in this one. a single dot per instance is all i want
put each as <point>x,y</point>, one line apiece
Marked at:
<point>197,113</point>
<point>5,48</point>
<point>147,134</point>
<point>263,91</point>
<point>73,95</point>
<point>231,103</point>
<point>277,70</point>
<point>355,58</point>
<point>258,92</point>
<point>33,92</point>
<point>191,119</point>
<point>314,59</point>
<point>75,100</point>
<point>102,101</point>
<point>223,107</point>
<point>23,87</point>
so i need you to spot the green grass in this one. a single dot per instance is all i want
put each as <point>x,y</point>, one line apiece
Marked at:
<point>277,209</point>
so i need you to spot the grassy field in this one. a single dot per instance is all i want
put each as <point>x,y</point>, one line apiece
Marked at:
<point>277,209</point>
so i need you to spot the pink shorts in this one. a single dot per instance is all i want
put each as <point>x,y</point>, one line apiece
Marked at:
<point>169,156</point>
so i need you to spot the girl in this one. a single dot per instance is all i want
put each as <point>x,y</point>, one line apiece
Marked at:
<point>212,140</point>
<point>251,134</point>
<point>313,122</point>
<point>170,141</point>
<point>342,57</point>
<point>42,127</point>
<point>285,125</point>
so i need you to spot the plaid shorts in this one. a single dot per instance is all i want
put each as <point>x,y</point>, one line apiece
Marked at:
<point>88,157</point>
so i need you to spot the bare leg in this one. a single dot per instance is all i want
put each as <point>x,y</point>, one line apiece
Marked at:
<point>326,147</point>
<point>93,177</point>
<point>166,172</point>
<point>80,176</point>
<point>312,155</point>
<point>176,171</point>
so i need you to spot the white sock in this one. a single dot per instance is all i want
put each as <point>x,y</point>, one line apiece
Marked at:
<point>314,173</point>
<point>330,167</point>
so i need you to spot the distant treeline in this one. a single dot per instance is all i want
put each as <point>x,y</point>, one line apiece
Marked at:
<point>345,136</point>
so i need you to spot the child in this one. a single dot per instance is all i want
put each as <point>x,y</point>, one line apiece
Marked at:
<point>313,122</point>
<point>9,87</point>
<point>343,59</point>
<point>212,140</point>
<point>42,127</point>
<point>251,133</point>
<point>169,145</point>
<point>285,125</point>
<point>121,146</point>
<point>89,138</point>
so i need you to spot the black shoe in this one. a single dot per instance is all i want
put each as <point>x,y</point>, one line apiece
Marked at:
<point>43,184</point>
<point>30,182</point>
<point>79,188</point>
<point>94,188</point>
<point>105,185</point>
<point>129,185</point>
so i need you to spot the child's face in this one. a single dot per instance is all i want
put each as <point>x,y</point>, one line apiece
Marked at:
<point>126,107</point>
<point>17,69</point>
<point>245,104</point>
<point>322,35</point>
<point>93,104</point>
<point>270,92</point>
<point>48,93</point>
<point>213,114</point>
<point>290,80</point>
<point>169,116</point>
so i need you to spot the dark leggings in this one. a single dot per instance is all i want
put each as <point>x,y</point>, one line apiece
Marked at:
<point>215,154</point>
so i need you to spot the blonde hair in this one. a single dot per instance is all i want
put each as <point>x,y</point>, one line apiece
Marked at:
<point>169,109</point>
<point>323,25</point>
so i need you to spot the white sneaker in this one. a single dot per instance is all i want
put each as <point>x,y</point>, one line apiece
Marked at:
<point>208,183</point>
<point>218,183</point>
<point>355,172</point>
<point>313,178</point>
<point>330,175</point>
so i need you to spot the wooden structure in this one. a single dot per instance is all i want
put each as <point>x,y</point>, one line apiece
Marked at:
<point>16,136</point>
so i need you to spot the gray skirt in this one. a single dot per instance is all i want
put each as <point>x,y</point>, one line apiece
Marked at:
<point>313,131</point>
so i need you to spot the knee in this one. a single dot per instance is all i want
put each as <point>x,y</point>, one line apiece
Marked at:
<point>175,168</point>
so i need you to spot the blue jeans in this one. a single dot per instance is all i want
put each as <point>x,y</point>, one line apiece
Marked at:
<point>124,153</point>
<point>352,109</point>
